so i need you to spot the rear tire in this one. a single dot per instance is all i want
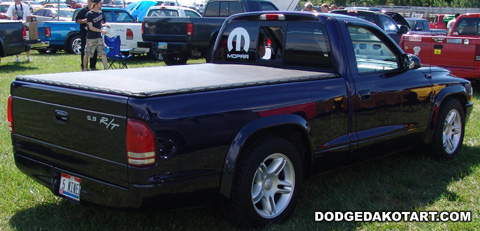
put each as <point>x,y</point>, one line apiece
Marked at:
<point>267,183</point>
<point>449,130</point>
<point>155,55</point>
<point>74,45</point>
<point>175,59</point>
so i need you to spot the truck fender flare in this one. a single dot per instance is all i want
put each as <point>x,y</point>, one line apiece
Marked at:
<point>69,36</point>
<point>453,91</point>
<point>242,138</point>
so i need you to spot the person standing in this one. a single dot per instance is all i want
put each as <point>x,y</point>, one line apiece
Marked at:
<point>325,8</point>
<point>95,22</point>
<point>81,19</point>
<point>309,7</point>
<point>20,11</point>
<point>451,22</point>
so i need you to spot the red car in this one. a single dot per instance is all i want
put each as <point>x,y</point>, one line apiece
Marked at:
<point>3,9</point>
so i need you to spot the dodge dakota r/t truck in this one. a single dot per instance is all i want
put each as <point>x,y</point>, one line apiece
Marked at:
<point>288,95</point>
<point>458,52</point>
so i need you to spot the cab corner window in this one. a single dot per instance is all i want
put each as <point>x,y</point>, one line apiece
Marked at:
<point>371,53</point>
<point>237,44</point>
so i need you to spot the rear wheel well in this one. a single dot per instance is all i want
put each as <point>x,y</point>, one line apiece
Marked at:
<point>291,133</point>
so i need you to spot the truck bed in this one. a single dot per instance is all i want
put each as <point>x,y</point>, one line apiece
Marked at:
<point>147,82</point>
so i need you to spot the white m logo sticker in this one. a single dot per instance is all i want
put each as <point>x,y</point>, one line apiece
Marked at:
<point>238,33</point>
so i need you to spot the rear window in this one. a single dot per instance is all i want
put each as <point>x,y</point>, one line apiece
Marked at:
<point>163,13</point>
<point>123,16</point>
<point>261,6</point>
<point>223,9</point>
<point>300,44</point>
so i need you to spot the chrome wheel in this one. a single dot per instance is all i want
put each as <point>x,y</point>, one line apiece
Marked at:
<point>77,46</point>
<point>452,131</point>
<point>273,185</point>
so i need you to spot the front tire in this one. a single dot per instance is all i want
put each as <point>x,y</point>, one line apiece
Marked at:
<point>267,184</point>
<point>449,130</point>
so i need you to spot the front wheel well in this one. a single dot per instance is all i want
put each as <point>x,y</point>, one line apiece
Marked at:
<point>297,136</point>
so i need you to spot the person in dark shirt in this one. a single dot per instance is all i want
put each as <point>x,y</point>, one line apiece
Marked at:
<point>95,22</point>
<point>81,19</point>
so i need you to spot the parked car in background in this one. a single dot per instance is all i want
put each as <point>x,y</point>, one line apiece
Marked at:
<point>75,4</point>
<point>34,5</point>
<point>3,9</point>
<point>421,26</point>
<point>459,51</point>
<point>114,3</point>
<point>384,21</point>
<point>66,35</point>
<point>57,6</point>
<point>52,14</point>
<point>12,37</point>
<point>172,11</point>
<point>139,9</point>
<point>440,21</point>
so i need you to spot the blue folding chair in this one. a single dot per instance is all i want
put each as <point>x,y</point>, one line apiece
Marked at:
<point>116,60</point>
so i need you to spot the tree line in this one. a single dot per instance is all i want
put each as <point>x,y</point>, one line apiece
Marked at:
<point>425,3</point>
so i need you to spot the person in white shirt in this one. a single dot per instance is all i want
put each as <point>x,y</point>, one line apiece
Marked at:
<point>451,22</point>
<point>19,11</point>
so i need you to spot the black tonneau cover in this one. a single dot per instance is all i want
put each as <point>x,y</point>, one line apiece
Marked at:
<point>145,82</point>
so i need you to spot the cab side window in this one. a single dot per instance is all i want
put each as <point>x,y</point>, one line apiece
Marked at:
<point>307,45</point>
<point>371,53</point>
<point>389,25</point>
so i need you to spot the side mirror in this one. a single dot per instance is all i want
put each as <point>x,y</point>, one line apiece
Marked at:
<point>412,61</point>
<point>403,30</point>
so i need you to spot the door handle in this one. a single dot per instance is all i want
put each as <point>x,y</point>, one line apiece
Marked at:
<point>364,95</point>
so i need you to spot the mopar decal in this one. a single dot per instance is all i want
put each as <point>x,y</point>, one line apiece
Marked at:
<point>238,35</point>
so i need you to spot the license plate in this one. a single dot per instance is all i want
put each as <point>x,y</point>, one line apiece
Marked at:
<point>70,187</point>
<point>162,46</point>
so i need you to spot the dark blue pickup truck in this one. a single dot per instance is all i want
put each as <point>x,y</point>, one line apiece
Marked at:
<point>12,38</point>
<point>288,95</point>
<point>181,38</point>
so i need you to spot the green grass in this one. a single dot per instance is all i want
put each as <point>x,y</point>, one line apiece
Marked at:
<point>401,182</point>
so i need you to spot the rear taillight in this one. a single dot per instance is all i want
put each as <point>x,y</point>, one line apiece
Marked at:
<point>48,32</point>
<point>189,28</point>
<point>143,27</point>
<point>477,52</point>
<point>129,34</point>
<point>24,33</point>
<point>140,144</point>
<point>10,114</point>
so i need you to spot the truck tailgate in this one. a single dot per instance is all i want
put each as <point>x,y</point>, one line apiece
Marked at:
<point>79,131</point>
<point>168,29</point>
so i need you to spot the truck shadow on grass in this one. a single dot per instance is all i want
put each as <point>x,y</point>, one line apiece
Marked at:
<point>400,182</point>
<point>16,67</point>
